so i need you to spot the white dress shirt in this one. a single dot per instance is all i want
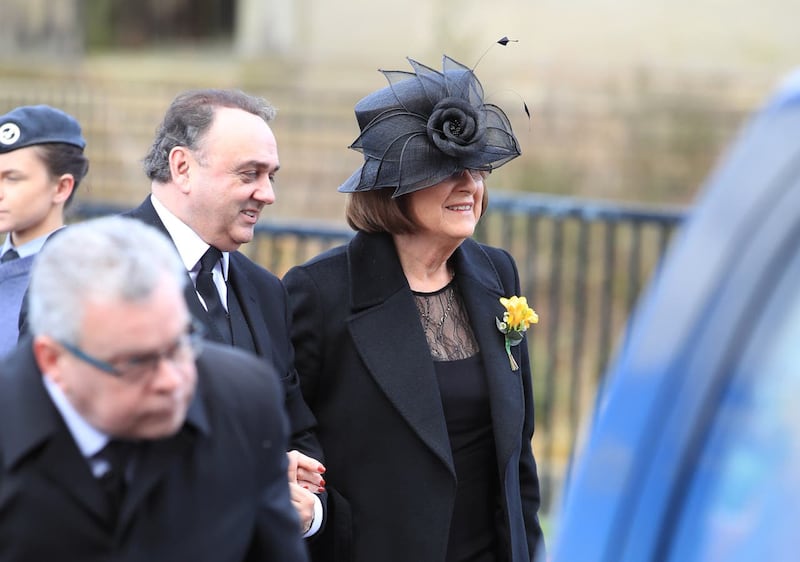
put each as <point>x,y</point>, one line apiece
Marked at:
<point>90,440</point>
<point>191,248</point>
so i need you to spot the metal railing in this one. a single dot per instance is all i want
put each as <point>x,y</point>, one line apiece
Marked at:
<point>582,265</point>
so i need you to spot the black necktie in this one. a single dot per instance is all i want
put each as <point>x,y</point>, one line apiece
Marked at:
<point>118,455</point>
<point>207,289</point>
<point>11,254</point>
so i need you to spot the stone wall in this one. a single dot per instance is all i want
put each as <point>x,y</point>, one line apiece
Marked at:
<point>41,28</point>
<point>629,100</point>
<point>641,135</point>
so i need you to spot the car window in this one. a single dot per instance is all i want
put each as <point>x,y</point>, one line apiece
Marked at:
<point>743,499</point>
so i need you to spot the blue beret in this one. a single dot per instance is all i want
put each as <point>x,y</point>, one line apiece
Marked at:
<point>38,124</point>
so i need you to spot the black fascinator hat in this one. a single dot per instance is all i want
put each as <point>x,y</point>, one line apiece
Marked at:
<point>424,127</point>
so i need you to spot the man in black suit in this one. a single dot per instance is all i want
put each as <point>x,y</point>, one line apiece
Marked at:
<point>121,437</point>
<point>212,165</point>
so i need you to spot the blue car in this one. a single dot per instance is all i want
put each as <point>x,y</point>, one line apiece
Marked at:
<point>694,450</point>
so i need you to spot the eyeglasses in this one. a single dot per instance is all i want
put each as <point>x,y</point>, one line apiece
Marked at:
<point>476,175</point>
<point>137,367</point>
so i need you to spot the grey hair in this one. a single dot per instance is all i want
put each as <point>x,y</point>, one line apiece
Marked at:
<point>189,117</point>
<point>111,257</point>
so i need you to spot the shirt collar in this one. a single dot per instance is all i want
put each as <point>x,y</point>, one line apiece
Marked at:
<point>29,248</point>
<point>90,440</point>
<point>190,246</point>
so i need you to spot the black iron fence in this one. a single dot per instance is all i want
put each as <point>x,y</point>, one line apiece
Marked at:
<point>582,265</point>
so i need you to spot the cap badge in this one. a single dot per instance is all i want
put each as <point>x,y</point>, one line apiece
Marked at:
<point>9,133</point>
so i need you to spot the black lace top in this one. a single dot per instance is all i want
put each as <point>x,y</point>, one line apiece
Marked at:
<point>475,526</point>
<point>446,324</point>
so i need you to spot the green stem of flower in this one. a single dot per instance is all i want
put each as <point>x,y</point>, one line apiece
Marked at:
<point>511,360</point>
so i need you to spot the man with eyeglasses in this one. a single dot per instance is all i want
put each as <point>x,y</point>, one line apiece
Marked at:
<point>121,436</point>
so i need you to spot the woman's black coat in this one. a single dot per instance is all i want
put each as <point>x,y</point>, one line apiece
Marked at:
<point>367,374</point>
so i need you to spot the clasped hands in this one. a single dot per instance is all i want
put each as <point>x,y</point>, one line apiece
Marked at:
<point>305,480</point>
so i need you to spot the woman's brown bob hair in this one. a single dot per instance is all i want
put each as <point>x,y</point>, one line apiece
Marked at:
<point>377,211</point>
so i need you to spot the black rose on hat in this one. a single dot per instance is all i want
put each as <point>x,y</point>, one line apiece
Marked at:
<point>456,127</point>
<point>425,126</point>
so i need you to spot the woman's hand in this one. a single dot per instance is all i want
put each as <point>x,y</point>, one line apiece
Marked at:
<point>306,472</point>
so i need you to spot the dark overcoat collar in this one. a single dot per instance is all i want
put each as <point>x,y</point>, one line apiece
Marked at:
<point>41,437</point>
<point>388,335</point>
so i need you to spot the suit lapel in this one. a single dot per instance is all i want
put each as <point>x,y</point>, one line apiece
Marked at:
<point>155,458</point>
<point>391,344</point>
<point>481,289</point>
<point>246,292</point>
<point>42,439</point>
<point>152,464</point>
<point>388,335</point>
<point>147,214</point>
<point>65,467</point>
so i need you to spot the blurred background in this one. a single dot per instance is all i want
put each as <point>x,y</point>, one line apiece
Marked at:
<point>631,102</point>
<point>630,99</point>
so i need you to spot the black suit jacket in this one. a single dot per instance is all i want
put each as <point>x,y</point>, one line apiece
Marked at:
<point>367,374</point>
<point>216,491</point>
<point>265,308</point>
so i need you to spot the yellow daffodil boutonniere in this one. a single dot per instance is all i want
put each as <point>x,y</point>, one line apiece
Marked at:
<point>516,320</point>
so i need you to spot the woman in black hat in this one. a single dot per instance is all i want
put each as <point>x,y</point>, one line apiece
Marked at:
<point>406,354</point>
